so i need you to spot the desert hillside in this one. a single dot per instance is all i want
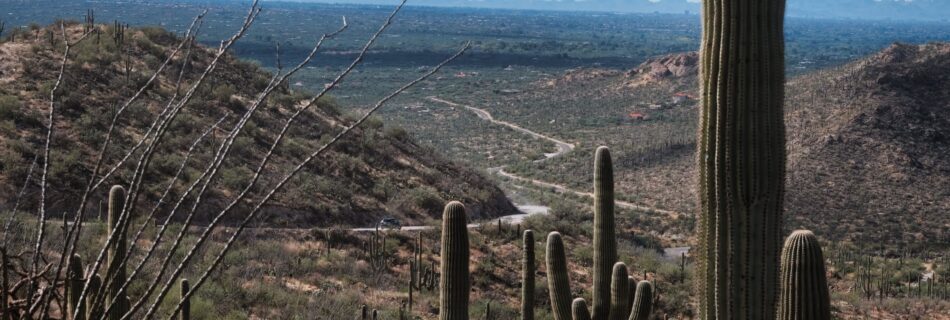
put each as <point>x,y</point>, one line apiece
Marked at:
<point>869,145</point>
<point>867,153</point>
<point>378,171</point>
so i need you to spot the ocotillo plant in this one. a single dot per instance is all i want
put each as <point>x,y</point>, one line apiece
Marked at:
<point>741,158</point>
<point>804,289</point>
<point>527,276</point>
<point>454,286</point>
<point>116,253</point>
<point>76,279</point>
<point>605,238</point>
<point>642,302</point>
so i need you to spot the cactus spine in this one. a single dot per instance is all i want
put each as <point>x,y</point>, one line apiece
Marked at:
<point>559,285</point>
<point>115,273</point>
<point>619,293</point>
<point>804,289</point>
<point>642,302</point>
<point>76,280</point>
<point>605,238</point>
<point>454,286</point>
<point>185,313</point>
<point>741,157</point>
<point>527,277</point>
<point>579,309</point>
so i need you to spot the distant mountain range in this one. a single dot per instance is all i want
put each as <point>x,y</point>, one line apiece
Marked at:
<point>928,10</point>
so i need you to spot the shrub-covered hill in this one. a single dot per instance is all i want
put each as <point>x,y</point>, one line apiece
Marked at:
<point>376,171</point>
<point>868,141</point>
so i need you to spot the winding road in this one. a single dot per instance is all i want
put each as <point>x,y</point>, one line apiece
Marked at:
<point>562,148</point>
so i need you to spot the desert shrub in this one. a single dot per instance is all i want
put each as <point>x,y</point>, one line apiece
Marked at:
<point>396,133</point>
<point>10,107</point>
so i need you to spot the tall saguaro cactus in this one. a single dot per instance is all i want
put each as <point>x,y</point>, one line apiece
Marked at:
<point>454,287</point>
<point>804,288</point>
<point>116,254</point>
<point>605,238</point>
<point>741,158</point>
<point>527,277</point>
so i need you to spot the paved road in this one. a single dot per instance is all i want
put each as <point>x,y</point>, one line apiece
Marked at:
<point>526,211</point>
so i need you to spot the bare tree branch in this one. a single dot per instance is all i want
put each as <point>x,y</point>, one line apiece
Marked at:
<point>300,166</point>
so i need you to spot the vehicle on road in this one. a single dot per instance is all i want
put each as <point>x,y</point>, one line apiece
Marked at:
<point>389,223</point>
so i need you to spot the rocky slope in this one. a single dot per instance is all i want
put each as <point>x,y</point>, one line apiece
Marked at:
<point>375,172</point>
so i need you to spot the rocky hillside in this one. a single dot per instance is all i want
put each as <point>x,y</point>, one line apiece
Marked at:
<point>376,171</point>
<point>869,146</point>
<point>868,142</point>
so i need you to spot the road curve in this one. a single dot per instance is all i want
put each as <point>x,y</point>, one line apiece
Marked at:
<point>563,147</point>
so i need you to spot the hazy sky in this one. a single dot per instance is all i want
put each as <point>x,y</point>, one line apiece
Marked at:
<point>935,10</point>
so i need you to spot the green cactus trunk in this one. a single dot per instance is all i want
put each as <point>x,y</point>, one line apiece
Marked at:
<point>76,280</point>
<point>95,311</point>
<point>116,254</point>
<point>605,238</point>
<point>579,309</point>
<point>642,301</point>
<point>4,283</point>
<point>559,285</point>
<point>185,313</point>
<point>527,277</point>
<point>804,288</point>
<point>741,157</point>
<point>620,293</point>
<point>454,286</point>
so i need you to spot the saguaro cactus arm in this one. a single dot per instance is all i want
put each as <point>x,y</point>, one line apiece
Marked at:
<point>619,293</point>
<point>559,285</point>
<point>605,238</point>
<point>642,301</point>
<point>527,277</point>
<point>579,309</point>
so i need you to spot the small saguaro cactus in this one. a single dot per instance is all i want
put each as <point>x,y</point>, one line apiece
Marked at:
<point>579,309</point>
<point>527,277</point>
<point>605,238</point>
<point>619,293</point>
<point>559,285</point>
<point>185,313</point>
<point>116,253</point>
<point>642,301</point>
<point>454,285</point>
<point>741,158</point>
<point>75,278</point>
<point>804,289</point>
